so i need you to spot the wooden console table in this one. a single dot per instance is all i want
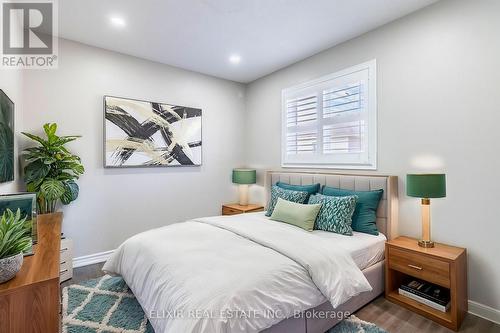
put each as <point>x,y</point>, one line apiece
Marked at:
<point>30,302</point>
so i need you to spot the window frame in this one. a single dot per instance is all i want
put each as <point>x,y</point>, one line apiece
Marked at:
<point>371,105</point>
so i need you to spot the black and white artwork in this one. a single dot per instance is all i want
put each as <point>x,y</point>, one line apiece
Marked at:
<point>139,133</point>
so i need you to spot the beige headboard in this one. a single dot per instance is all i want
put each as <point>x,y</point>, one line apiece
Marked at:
<point>387,213</point>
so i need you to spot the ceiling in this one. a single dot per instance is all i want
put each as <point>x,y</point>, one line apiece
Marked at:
<point>201,35</point>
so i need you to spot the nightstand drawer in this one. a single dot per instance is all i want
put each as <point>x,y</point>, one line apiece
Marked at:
<point>66,249</point>
<point>419,266</point>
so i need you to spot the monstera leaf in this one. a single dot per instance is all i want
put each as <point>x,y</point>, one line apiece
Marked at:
<point>35,171</point>
<point>71,192</point>
<point>52,189</point>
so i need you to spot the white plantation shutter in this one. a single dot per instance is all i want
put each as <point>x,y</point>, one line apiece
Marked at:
<point>343,126</point>
<point>331,122</point>
<point>301,117</point>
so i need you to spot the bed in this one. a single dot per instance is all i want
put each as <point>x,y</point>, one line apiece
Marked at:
<point>246,273</point>
<point>387,224</point>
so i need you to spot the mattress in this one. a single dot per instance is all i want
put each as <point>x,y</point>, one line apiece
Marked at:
<point>366,250</point>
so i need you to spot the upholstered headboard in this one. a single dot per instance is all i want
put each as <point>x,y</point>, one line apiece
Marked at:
<point>387,213</point>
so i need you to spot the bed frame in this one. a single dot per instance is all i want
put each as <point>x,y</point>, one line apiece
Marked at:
<point>387,223</point>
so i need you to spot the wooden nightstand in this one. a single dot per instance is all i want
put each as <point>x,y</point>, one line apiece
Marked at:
<point>233,209</point>
<point>443,265</point>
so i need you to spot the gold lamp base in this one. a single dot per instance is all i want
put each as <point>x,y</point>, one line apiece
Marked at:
<point>426,224</point>
<point>426,244</point>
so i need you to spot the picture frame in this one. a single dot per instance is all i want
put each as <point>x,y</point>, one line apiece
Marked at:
<point>7,119</point>
<point>140,133</point>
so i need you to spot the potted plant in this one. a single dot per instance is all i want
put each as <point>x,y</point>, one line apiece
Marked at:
<point>50,171</point>
<point>14,240</point>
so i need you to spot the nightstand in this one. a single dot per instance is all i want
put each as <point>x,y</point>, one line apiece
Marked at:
<point>233,209</point>
<point>443,265</point>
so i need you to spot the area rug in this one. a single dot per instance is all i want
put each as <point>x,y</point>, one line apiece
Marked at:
<point>106,305</point>
<point>355,325</point>
<point>103,305</point>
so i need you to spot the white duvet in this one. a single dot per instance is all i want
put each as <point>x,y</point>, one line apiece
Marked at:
<point>236,273</point>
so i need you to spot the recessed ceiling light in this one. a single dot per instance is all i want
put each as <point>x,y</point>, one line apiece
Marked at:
<point>117,21</point>
<point>234,59</point>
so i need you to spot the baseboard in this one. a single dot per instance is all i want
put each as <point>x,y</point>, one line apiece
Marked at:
<point>91,259</point>
<point>484,311</point>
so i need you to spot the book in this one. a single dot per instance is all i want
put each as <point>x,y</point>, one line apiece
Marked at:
<point>431,293</point>
<point>442,308</point>
<point>428,291</point>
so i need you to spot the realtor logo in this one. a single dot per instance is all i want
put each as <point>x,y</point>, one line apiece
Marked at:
<point>28,34</point>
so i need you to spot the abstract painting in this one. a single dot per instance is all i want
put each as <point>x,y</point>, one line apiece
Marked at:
<point>6,138</point>
<point>140,134</point>
<point>26,203</point>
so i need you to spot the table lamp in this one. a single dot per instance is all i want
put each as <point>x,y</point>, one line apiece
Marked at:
<point>426,186</point>
<point>244,177</point>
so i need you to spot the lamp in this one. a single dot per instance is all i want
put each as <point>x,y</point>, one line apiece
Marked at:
<point>244,177</point>
<point>426,186</point>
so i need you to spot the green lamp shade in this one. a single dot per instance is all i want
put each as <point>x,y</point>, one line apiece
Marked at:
<point>426,185</point>
<point>244,176</point>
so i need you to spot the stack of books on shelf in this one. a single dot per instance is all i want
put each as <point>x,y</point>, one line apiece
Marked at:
<point>427,293</point>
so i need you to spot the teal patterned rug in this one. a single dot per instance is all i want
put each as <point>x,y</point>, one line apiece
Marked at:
<point>106,305</point>
<point>355,325</point>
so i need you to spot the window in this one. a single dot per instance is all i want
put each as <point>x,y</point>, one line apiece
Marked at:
<point>331,122</point>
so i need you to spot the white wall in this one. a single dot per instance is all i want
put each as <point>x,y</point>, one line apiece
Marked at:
<point>117,203</point>
<point>438,109</point>
<point>11,84</point>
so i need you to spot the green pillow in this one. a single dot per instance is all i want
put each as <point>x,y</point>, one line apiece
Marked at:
<point>311,189</point>
<point>289,195</point>
<point>335,214</point>
<point>299,215</point>
<point>364,218</point>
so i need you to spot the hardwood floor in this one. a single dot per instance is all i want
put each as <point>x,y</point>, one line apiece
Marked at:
<point>389,316</point>
<point>84,273</point>
<point>396,319</point>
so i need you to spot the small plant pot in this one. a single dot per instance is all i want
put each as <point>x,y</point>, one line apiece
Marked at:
<point>10,266</point>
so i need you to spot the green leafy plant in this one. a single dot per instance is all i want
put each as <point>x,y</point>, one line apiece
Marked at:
<point>14,234</point>
<point>51,170</point>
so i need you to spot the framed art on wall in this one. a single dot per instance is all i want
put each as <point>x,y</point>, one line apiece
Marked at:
<point>26,203</point>
<point>141,134</point>
<point>6,138</point>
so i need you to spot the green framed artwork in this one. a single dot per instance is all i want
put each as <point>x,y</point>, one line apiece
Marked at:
<point>6,138</point>
<point>26,203</point>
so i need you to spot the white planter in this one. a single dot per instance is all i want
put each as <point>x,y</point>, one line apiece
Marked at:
<point>10,266</point>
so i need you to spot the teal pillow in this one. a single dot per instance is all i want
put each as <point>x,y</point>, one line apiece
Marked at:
<point>310,189</point>
<point>299,215</point>
<point>289,195</point>
<point>335,214</point>
<point>364,218</point>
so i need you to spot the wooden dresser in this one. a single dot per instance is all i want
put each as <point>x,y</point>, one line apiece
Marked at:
<point>30,301</point>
